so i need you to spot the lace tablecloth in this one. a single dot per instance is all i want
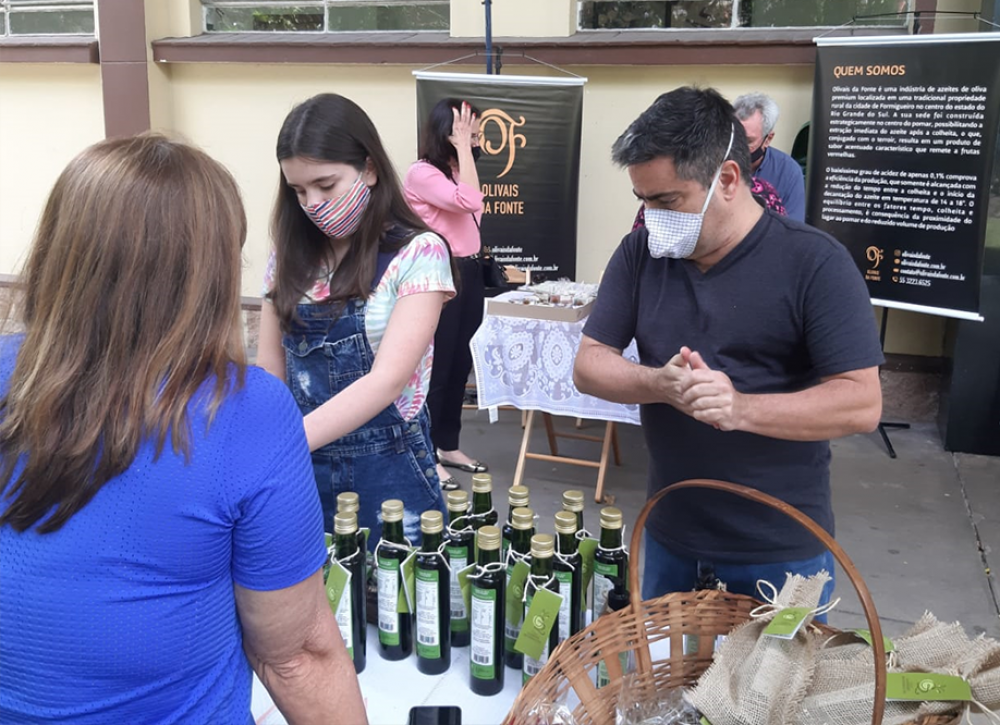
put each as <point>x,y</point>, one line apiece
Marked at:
<point>528,363</point>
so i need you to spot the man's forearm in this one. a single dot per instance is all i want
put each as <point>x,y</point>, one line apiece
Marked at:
<point>832,409</point>
<point>604,373</point>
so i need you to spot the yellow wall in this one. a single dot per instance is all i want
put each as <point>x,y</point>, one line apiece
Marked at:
<point>48,114</point>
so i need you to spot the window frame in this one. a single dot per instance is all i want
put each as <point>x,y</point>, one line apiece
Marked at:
<point>733,25</point>
<point>324,5</point>
<point>28,7</point>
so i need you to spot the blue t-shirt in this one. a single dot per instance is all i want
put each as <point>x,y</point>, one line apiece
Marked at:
<point>785,175</point>
<point>127,614</point>
<point>786,307</point>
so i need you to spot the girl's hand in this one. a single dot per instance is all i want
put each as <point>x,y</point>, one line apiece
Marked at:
<point>463,127</point>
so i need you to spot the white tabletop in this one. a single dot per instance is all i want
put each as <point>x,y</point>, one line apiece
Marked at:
<point>390,689</point>
<point>528,363</point>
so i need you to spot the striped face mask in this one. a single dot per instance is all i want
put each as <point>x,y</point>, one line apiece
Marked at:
<point>340,217</point>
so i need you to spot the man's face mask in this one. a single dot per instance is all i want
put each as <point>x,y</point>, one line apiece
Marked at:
<point>341,217</point>
<point>758,153</point>
<point>675,234</point>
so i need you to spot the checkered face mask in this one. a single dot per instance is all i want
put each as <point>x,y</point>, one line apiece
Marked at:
<point>675,234</point>
<point>340,217</point>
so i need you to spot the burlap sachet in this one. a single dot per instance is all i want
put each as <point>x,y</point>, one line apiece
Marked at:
<point>843,682</point>
<point>757,679</point>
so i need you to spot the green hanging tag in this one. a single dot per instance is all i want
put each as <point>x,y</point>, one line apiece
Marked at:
<point>587,549</point>
<point>866,635</point>
<point>336,582</point>
<point>542,614</point>
<point>364,534</point>
<point>409,577</point>
<point>515,592</point>
<point>328,538</point>
<point>925,687</point>
<point>787,623</point>
<point>704,721</point>
<point>463,582</point>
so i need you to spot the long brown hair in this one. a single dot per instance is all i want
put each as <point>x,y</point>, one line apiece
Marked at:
<point>131,302</point>
<point>329,127</point>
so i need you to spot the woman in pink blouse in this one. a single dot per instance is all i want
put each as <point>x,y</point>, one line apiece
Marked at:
<point>443,189</point>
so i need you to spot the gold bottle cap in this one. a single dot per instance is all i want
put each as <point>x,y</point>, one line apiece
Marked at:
<point>458,501</point>
<point>565,522</point>
<point>345,523</point>
<point>488,538</point>
<point>392,510</point>
<point>522,518</point>
<point>573,501</point>
<point>348,502</point>
<point>543,546</point>
<point>431,522</point>
<point>518,496</point>
<point>611,518</point>
<point>482,483</point>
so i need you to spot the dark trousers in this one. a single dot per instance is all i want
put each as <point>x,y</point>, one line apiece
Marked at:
<point>459,321</point>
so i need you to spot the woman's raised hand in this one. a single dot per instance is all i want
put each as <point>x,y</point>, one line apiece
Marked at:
<point>463,127</point>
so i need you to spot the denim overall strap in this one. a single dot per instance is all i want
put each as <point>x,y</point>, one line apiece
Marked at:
<point>387,457</point>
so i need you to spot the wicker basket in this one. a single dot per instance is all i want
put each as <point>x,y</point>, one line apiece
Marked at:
<point>645,625</point>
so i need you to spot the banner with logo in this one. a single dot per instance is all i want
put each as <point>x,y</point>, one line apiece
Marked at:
<point>902,142</point>
<point>530,164</point>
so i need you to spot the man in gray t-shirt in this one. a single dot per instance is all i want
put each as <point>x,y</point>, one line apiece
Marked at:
<point>757,345</point>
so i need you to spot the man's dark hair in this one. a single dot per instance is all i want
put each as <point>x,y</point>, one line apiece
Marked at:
<point>691,126</point>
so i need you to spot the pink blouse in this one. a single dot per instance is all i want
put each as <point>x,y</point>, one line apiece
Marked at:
<point>452,210</point>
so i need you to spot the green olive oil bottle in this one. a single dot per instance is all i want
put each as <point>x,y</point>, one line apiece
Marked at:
<point>433,598</point>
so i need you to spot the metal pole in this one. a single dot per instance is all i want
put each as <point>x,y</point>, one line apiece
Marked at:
<point>489,36</point>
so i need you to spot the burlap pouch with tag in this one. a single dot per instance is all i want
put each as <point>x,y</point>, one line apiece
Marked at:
<point>757,679</point>
<point>843,682</point>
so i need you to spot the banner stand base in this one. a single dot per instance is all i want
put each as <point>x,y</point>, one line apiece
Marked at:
<point>885,436</point>
<point>883,425</point>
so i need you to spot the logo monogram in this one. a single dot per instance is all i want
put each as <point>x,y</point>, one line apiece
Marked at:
<point>874,255</point>
<point>509,138</point>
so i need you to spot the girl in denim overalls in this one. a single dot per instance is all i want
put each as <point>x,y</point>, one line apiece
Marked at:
<point>353,291</point>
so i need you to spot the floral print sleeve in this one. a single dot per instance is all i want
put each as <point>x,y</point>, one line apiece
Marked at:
<point>269,274</point>
<point>424,266</point>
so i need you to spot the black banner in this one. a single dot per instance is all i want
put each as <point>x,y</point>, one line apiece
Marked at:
<point>901,150</point>
<point>530,164</point>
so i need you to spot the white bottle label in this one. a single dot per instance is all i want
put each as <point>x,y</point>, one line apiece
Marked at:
<point>565,580</point>
<point>458,563</point>
<point>602,587</point>
<point>427,613</point>
<point>388,596</point>
<point>484,612</point>
<point>344,614</point>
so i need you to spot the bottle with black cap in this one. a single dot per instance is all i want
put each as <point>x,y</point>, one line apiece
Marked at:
<point>543,548</point>
<point>395,629</point>
<point>486,655</point>
<point>517,497</point>
<point>352,611</point>
<point>610,559</point>
<point>523,528</point>
<point>618,598</point>
<point>568,568</point>
<point>459,547</point>
<point>433,598</point>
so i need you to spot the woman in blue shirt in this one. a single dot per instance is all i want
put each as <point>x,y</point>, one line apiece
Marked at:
<point>159,525</point>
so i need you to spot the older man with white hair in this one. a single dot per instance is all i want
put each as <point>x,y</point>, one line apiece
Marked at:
<point>759,114</point>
